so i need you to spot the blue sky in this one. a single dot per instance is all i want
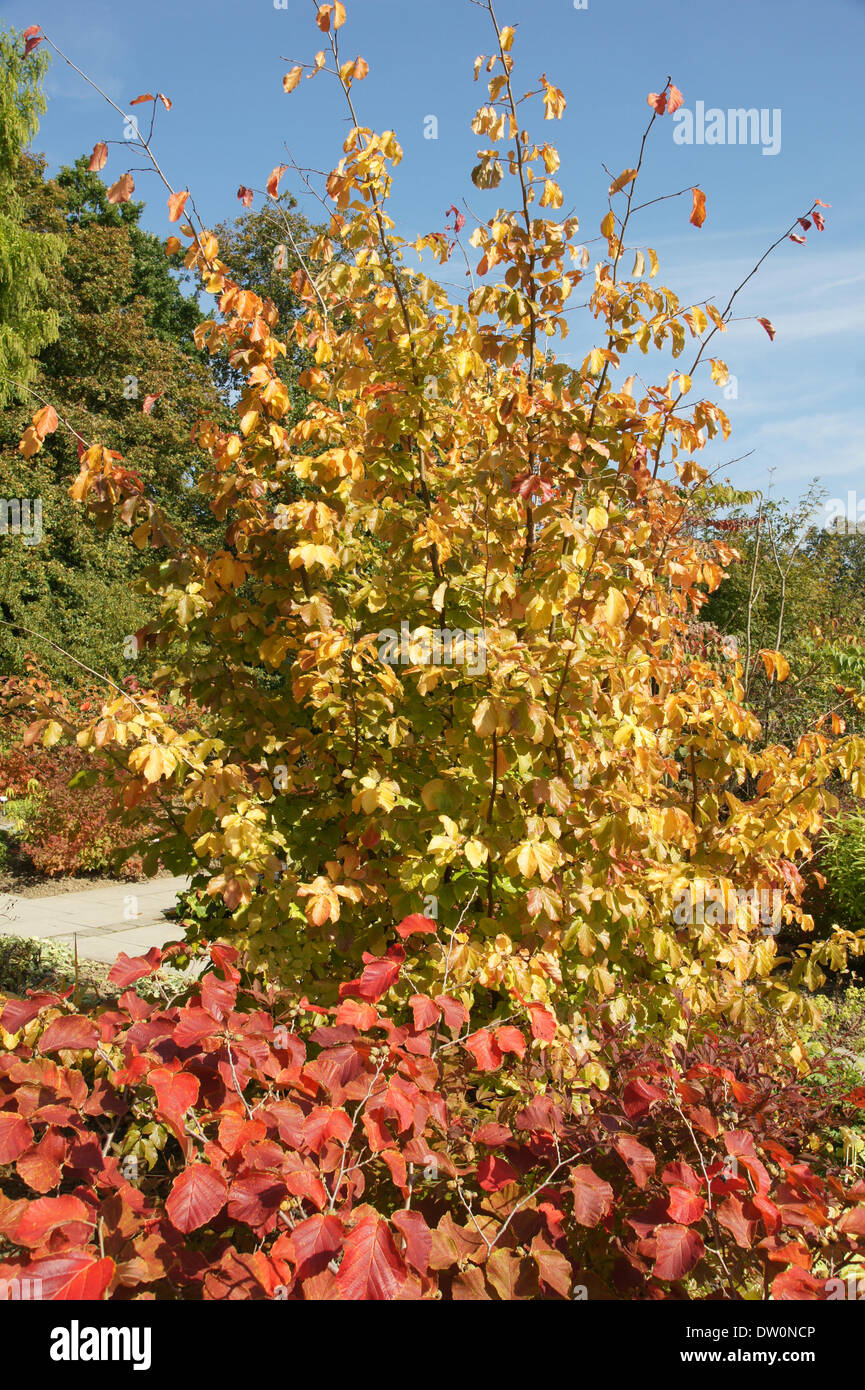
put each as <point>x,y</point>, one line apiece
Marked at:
<point>798,398</point>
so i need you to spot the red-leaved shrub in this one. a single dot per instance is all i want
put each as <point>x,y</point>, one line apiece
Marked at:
<point>242,1143</point>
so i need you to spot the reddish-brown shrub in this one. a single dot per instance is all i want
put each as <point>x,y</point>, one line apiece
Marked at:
<point>240,1143</point>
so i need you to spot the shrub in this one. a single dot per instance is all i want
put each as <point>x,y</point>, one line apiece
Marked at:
<point>843,866</point>
<point>68,818</point>
<point>245,1143</point>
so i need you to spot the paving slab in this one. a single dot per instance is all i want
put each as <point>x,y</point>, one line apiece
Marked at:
<point>120,917</point>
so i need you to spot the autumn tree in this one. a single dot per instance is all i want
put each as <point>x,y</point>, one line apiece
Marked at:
<point>488,727</point>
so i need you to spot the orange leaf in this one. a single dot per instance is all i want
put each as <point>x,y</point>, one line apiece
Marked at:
<point>150,402</point>
<point>273,181</point>
<point>176,204</point>
<point>166,101</point>
<point>658,100</point>
<point>146,96</point>
<point>322,19</point>
<point>360,69</point>
<point>99,157</point>
<point>698,208</point>
<point>122,190</point>
<point>45,421</point>
<point>674,100</point>
<point>172,245</point>
<point>291,79</point>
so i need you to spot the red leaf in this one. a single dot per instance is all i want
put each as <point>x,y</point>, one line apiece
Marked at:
<point>45,1215</point>
<point>658,102</point>
<point>355,1014</point>
<point>685,1206</point>
<point>543,1023</point>
<point>698,207</point>
<point>313,1244</point>
<point>769,327</point>
<point>223,958</point>
<point>18,1012</point>
<point>127,969</point>
<point>75,1276</point>
<point>218,996</point>
<point>32,36</point>
<point>99,157</point>
<point>255,1200</point>
<point>799,239</point>
<point>176,204</point>
<point>425,1011</point>
<point>15,1136</point>
<point>245,195</point>
<point>455,1013</point>
<point>495,1173</point>
<point>678,1250</point>
<point>380,972</point>
<point>73,1031</point>
<point>511,1040</point>
<point>175,1091</point>
<point>196,1196</point>
<point>640,1160</point>
<point>819,221</point>
<point>42,1168</point>
<point>798,1284</point>
<point>273,181</point>
<point>852,1223</point>
<point>638,1096</point>
<point>371,1268</point>
<point>418,1239</point>
<point>731,1215</point>
<point>416,923</point>
<point>485,1050</point>
<point>593,1198</point>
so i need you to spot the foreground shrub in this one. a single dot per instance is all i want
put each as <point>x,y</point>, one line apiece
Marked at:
<point>244,1143</point>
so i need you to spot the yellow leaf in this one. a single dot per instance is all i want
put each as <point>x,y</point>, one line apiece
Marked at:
<point>615,608</point>
<point>627,176</point>
<point>475,853</point>
<point>552,196</point>
<point>720,374</point>
<point>292,78</point>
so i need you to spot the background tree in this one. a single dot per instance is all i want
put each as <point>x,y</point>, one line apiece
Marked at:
<point>28,318</point>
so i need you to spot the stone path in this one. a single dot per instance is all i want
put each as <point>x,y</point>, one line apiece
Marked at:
<point>123,917</point>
